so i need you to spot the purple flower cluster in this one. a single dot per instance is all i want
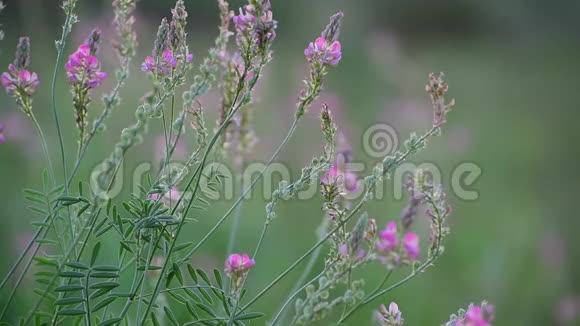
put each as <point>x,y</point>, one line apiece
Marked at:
<point>391,316</point>
<point>476,316</point>
<point>84,68</point>
<point>237,265</point>
<point>388,242</point>
<point>19,81</point>
<point>324,52</point>
<point>347,180</point>
<point>167,62</point>
<point>255,25</point>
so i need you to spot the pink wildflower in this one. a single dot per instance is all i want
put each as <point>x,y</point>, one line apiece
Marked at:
<point>347,179</point>
<point>2,137</point>
<point>166,63</point>
<point>477,316</point>
<point>388,238</point>
<point>324,52</point>
<point>16,80</point>
<point>237,264</point>
<point>391,316</point>
<point>84,68</point>
<point>411,245</point>
<point>169,198</point>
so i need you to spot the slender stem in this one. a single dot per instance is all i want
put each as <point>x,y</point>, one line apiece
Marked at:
<point>294,292</point>
<point>147,264</point>
<point>237,216</point>
<point>60,50</point>
<point>44,146</point>
<point>243,195</point>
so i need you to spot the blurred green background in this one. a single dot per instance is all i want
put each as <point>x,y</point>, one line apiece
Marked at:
<point>512,66</point>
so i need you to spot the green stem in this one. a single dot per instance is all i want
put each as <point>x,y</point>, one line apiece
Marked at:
<point>237,216</point>
<point>243,195</point>
<point>147,264</point>
<point>294,292</point>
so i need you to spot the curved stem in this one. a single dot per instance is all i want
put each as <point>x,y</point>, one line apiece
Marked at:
<point>294,292</point>
<point>44,146</point>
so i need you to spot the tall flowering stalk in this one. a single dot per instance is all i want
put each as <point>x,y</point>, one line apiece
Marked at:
<point>84,73</point>
<point>21,84</point>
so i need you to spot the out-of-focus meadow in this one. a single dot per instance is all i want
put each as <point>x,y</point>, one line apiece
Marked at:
<point>512,67</point>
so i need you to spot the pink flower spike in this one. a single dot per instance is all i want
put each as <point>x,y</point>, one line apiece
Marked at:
<point>411,245</point>
<point>189,57</point>
<point>388,238</point>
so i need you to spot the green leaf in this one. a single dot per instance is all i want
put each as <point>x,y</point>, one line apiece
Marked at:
<point>104,285</point>
<point>35,200</point>
<point>151,268</point>
<point>192,295</point>
<point>47,241</point>
<point>46,261</point>
<point>38,211</point>
<point>68,288</point>
<point>205,295</point>
<point>179,298</point>
<point>77,265</point>
<point>103,303</point>
<point>170,316</point>
<point>45,179</point>
<point>104,230</point>
<point>71,274</point>
<point>106,268</point>
<point>100,292</point>
<point>170,276</point>
<point>104,275</point>
<point>192,273</point>
<point>83,209</point>
<point>182,246</point>
<point>34,193</point>
<point>70,300</point>
<point>178,274</point>
<point>191,310</point>
<point>154,319</point>
<point>203,275</point>
<point>95,253</point>
<point>206,308</point>
<point>249,316</point>
<point>71,312</point>
<point>218,278</point>
<point>109,322</point>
